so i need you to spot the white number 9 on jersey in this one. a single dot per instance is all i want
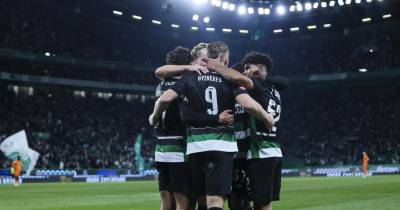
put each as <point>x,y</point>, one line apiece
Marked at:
<point>211,97</point>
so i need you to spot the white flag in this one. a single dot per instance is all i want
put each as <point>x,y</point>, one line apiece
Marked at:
<point>17,145</point>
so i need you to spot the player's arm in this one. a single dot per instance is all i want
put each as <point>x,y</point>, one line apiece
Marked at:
<point>173,70</point>
<point>199,119</point>
<point>255,109</point>
<point>281,83</point>
<point>161,105</point>
<point>230,74</point>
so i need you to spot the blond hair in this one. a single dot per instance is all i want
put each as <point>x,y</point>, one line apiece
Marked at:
<point>197,49</point>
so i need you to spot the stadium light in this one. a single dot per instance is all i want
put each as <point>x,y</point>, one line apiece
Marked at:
<point>116,12</point>
<point>225,5</point>
<point>194,28</point>
<point>315,5</point>
<point>242,10</point>
<point>369,1</point>
<point>358,1</point>
<point>260,11</point>
<point>340,2</point>
<point>174,26</point>
<point>348,2</point>
<point>243,31</point>
<point>136,17</point>
<point>206,19</point>
<point>292,8</point>
<point>365,20</point>
<point>267,11</point>
<point>332,3</point>
<point>214,2</point>
<point>323,4</point>
<point>386,16</point>
<point>312,27</point>
<point>218,3</point>
<point>195,17</point>
<point>277,31</point>
<point>299,7</point>
<point>294,29</point>
<point>47,54</point>
<point>157,22</point>
<point>327,25</point>
<point>232,7</point>
<point>281,10</point>
<point>226,30</point>
<point>210,29</point>
<point>250,10</point>
<point>362,70</point>
<point>308,6</point>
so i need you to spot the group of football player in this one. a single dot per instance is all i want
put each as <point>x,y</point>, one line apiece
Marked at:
<point>215,130</point>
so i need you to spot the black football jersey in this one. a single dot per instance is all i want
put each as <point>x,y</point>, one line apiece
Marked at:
<point>170,123</point>
<point>209,93</point>
<point>269,98</point>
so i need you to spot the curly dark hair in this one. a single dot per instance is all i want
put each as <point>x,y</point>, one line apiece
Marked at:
<point>258,58</point>
<point>179,56</point>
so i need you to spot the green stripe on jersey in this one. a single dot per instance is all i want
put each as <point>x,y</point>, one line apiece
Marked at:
<point>259,143</point>
<point>211,136</point>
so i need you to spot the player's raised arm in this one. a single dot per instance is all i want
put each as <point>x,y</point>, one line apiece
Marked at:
<point>162,104</point>
<point>178,62</point>
<point>174,70</point>
<point>255,109</point>
<point>230,74</point>
<point>281,83</point>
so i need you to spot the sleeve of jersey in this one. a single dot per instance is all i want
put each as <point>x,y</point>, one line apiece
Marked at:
<point>180,86</point>
<point>239,90</point>
<point>257,86</point>
<point>197,119</point>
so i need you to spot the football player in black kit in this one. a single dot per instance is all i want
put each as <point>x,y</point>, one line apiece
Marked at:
<point>174,182</point>
<point>173,176</point>
<point>264,149</point>
<point>211,148</point>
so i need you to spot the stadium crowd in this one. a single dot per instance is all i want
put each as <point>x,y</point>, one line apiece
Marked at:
<point>75,132</point>
<point>317,128</point>
<point>334,127</point>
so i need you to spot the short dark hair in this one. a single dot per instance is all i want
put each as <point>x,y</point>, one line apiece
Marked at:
<point>179,56</point>
<point>258,58</point>
<point>215,49</point>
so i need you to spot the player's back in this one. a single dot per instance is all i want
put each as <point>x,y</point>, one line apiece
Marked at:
<point>209,94</point>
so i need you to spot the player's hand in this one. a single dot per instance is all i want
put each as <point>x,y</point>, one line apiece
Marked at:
<point>269,123</point>
<point>226,117</point>
<point>198,68</point>
<point>152,120</point>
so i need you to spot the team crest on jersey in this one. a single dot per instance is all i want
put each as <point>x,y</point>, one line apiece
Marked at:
<point>239,109</point>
